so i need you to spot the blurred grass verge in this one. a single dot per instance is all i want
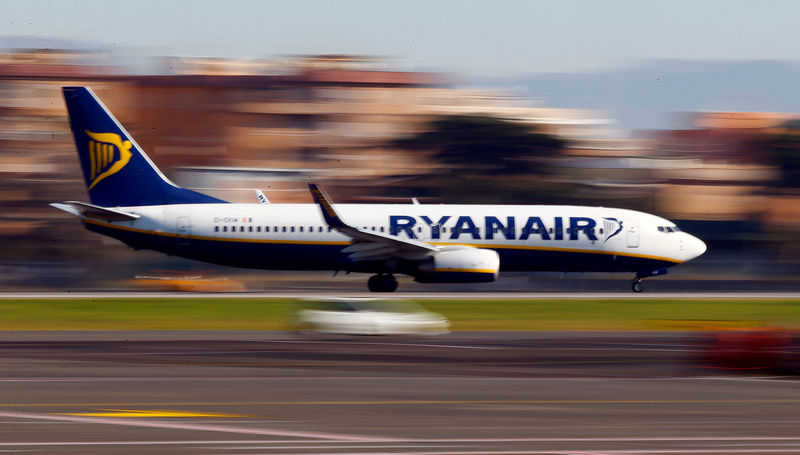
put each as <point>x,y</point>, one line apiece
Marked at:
<point>467,315</point>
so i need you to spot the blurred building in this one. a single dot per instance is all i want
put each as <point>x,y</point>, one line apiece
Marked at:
<point>35,143</point>
<point>727,168</point>
<point>224,127</point>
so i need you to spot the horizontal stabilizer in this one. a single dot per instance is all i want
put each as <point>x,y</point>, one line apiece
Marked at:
<point>84,210</point>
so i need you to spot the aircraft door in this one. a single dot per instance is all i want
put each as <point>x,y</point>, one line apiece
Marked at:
<point>632,233</point>
<point>184,230</point>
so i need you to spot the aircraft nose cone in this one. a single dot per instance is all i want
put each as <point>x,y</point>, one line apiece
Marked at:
<point>695,247</point>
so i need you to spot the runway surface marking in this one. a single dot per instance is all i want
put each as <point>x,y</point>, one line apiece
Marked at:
<point>776,379</point>
<point>776,439</point>
<point>196,427</point>
<point>403,402</point>
<point>235,445</point>
<point>576,452</point>
<point>149,413</point>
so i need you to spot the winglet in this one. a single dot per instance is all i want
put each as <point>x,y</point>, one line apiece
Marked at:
<point>330,215</point>
<point>262,198</point>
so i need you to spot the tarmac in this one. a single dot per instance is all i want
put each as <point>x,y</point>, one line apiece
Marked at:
<point>462,394</point>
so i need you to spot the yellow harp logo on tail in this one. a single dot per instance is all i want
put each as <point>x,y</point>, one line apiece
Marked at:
<point>108,153</point>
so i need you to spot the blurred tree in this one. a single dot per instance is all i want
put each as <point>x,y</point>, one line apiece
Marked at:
<point>481,143</point>
<point>485,159</point>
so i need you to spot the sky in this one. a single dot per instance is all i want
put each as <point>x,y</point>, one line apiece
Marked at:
<point>474,37</point>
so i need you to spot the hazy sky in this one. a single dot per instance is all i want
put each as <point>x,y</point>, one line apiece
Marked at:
<point>472,37</point>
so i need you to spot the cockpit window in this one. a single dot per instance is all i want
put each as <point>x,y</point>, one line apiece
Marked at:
<point>668,229</point>
<point>661,229</point>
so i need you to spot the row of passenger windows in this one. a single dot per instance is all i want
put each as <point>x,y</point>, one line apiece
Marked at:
<point>311,229</point>
<point>274,229</point>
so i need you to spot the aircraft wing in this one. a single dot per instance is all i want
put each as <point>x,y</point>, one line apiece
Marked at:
<point>368,245</point>
<point>86,210</point>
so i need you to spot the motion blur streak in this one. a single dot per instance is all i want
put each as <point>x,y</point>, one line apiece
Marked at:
<point>373,133</point>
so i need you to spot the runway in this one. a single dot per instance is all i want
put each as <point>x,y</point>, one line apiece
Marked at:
<point>461,394</point>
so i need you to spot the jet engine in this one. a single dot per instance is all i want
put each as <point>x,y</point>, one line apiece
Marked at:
<point>459,265</point>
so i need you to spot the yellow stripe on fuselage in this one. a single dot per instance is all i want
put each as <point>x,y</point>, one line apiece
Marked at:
<point>343,243</point>
<point>467,270</point>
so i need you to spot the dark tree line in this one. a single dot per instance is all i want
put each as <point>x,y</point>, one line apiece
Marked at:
<point>484,159</point>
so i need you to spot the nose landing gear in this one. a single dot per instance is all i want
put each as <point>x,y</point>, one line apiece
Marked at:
<point>636,284</point>
<point>382,283</point>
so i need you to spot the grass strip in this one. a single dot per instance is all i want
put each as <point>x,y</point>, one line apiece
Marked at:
<point>274,314</point>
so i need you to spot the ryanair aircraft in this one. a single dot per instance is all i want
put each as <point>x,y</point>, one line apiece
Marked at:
<point>131,200</point>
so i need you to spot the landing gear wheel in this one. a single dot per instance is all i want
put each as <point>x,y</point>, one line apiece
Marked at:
<point>382,283</point>
<point>637,285</point>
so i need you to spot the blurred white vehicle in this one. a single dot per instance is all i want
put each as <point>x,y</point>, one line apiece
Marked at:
<point>368,317</point>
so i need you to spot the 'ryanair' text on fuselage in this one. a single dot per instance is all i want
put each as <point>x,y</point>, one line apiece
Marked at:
<point>558,228</point>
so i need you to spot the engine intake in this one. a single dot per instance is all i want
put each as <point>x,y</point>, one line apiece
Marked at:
<point>459,265</point>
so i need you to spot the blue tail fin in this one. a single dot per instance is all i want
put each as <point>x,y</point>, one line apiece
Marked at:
<point>116,170</point>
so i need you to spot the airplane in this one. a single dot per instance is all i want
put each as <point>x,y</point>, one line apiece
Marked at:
<point>132,201</point>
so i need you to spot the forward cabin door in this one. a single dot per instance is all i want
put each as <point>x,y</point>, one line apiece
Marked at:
<point>632,233</point>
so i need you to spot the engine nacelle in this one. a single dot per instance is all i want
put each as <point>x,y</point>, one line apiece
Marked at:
<point>459,265</point>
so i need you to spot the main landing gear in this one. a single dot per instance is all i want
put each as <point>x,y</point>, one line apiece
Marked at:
<point>636,285</point>
<point>382,283</point>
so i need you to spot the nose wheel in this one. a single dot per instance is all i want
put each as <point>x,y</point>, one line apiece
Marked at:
<point>382,283</point>
<point>637,285</point>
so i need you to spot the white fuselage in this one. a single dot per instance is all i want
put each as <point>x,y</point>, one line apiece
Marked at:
<point>295,236</point>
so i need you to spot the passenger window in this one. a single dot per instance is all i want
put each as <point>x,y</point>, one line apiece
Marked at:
<point>258,228</point>
<point>301,228</point>
<point>381,228</point>
<point>320,229</point>
<point>292,229</point>
<point>283,229</point>
<point>250,229</point>
<point>266,228</point>
<point>330,229</point>
<point>216,228</point>
<point>224,228</point>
